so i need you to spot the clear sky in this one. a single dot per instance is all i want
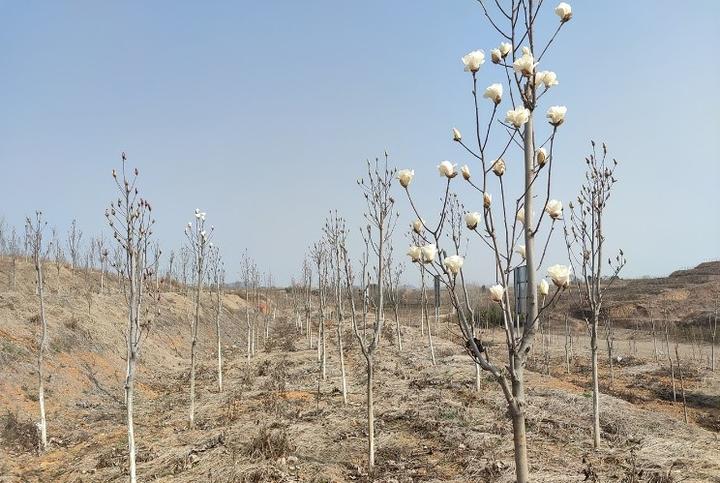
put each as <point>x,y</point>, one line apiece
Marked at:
<point>263,113</point>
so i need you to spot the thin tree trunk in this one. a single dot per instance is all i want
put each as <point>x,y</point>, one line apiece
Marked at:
<point>41,353</point>
<point>370,414</point>
<point>429,333</point>
<point>682,384</point>
<point>129,396</point>
<point>397,328</point>
<point>672,366</point>
<point>595,383</point>
<point>343,379</point>
<point>518,421</point>
<point>217,336</point>
<point>193,346</point>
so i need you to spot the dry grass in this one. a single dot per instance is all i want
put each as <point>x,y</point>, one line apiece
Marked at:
<point>271,424</point>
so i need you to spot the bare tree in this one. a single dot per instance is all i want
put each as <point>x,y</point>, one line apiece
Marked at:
<point>377,238</point>
<point>585,241</point>
<point>130,218</point>
<point>103,256</point>
<point>13,249</point>
<point>319,255</point>
<point>74,237</point>
<point>36,228</point>
<point>199,243</point>
<point>336,237</point>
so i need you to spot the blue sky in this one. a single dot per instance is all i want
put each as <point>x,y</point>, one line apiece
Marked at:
<point>263,113</point>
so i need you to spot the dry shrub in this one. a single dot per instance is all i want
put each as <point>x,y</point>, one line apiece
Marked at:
<point>19,434</point>
<point>271,442</point>
<point>287,344</point>
<point>263,368</point>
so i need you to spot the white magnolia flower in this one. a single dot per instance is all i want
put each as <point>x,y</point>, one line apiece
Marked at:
<point>498,167</point>
<point>496,293</point>
<point>203,234</point>
<point>456,135</point>
<point>189,225</point>
<point>473,60</point>
<point>202,216</point>
<point>520,216</point>
<point>453,263</point>
<point>465,170</point>
<point>556,115</point>
<point>518,116</point>
<point>428,253</point>
<point>472,219</point>
<point>496,56</point>
<point>447,169</point>
<point>525,64</point>
<point>543,288</point>
<point>197,211</point>
<point>554,209</point>
<point>505,48</point>
<point>563,11</point>
<point>560,275</point>
<point>418,225</point>
<point>414,253</point>
<point>541,157</point>
<point>494,92</point>
<point>487,199</point>
<point>549,78</point>
<point>520,250</point>
<point>405,176</point>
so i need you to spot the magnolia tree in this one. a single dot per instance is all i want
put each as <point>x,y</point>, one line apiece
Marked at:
<point>199,242</point>
<point>130,218</point>
<point>377,238</point>
<point>35,229</point>
<point>504,222</point>
<point>585,241</point>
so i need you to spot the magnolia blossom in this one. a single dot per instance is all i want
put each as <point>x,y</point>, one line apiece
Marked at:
<point>554,209</point>
<point>518,116</point>
<point>447,169</point>
<point>487,199</point>
<point>405,176</point>
<point>563,11</point>
<point>520,216</point>
<point>472,219</point>
<point>465,170</point>
<point>494,92</point>
<point>556,115</point>
<point>505,48</point>
<point>543,288</point>
<point>498,167</point>
<point>496,56</point>
<point>456,135</point>
<point>550,79</point>
<point>560,275</point>
<point>473,60</point>
<point>453,263</point>
<point>414,253</point>
<point>520,249</point>
<point>541,157</point>
<point>428,253</point>
<point>496,293</point>
<point>525,64</point>
<point>417,225</point>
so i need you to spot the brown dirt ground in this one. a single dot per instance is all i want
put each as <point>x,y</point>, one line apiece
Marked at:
<point>432,424</point>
